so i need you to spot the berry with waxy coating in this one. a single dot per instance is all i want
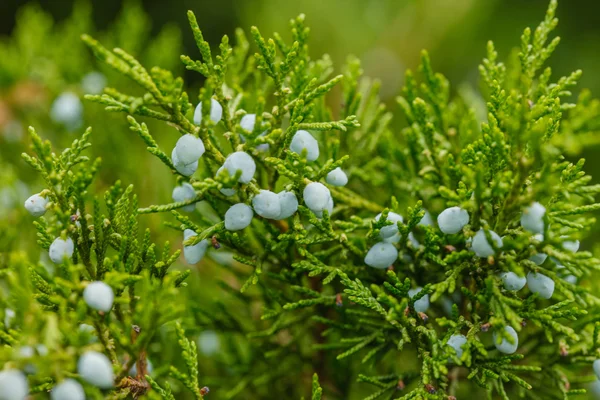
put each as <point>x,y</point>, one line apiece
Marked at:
<point>96,369</point>
<point>426,220</point>
<point>337,177</point>
<point>247,123</point>
<point>61,249</point>
<point>505,346</point>
<point>513,281</point>
<point>69,389</point>
<point>193,254</point>
<point>36,205</point>
<point>13,385</point>
<point>240,161</point>
<point>571,245</point>
<point>208,342</point>
<point>532,218</point>
<point>540,284</point>
<point>389,233</point>
<point>67,109</point>
<point>99,296</point>
<point>216,112</point>
<point>266,204</point>
<point>317,197</point>
<point>457,342</point>
<point>596,366</point>
<point>183,193</point>
<point>329,208</point>
<point>538,258</point>
<point>381,255</point>
<point>189,149</point>
<point>452,220</point>
<point>288,203</point>
<point>183,169</point>
<point>238,216</point>
<point>93,82</point>
<point>480,245</point>
<point>422,304</point>
<point>303,140</point>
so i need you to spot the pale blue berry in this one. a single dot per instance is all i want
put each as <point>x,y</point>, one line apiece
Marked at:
<point>596,366</point>
<point>193,254</point>
<point>183,193</point>
<point>69,389</point>
<point>538,258</point>
<point>189,149</point>
<point>247,123</point>
<point>216,112</point>
<point>381,255</point>
<point>13,385</point>
<point>316,196</point>
<point>96,369</point>
<point>93,83</point>
<point>532,218</point>
<point>422,304</point>
<point>337,177</point>
<point>208,343</point>
<point>36,205</point>
<point>238,216</point>
<point>329,208</point>
<point>303,140</point>
<point>183,169</point>
<point>452,220</point>
<point>389,233</point>
<point>243,162</point>
<point>505,346</point>
<point>266,204</point>
<point>61,249</point>
<point>288,203</point>
<point>513,281</point>
<point>457,342</point>
<point>480,245</point>
<point>426,220</point>
<point>99,296</point>
<point>67,110</point>
<point>149,368</point>
<point>540,284</point>
<point>571,245</point>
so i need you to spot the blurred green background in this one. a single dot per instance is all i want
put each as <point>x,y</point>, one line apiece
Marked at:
<point>41,57</point>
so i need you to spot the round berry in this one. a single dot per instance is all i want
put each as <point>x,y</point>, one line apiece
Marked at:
<point>13,385</point>
<point>99,296</point>
<point>452,220</point>
<point>426,220</point>
<point>303,140</point>
<point>36,205</point>
<point>95,368</point>
<point>238,217</point>
<point>183,193</point>
<point>61,249</point>
<point>337,177</point>
<point>69,389</point>
<point>571,245</point>
<point>67,110</point>
<point>183,169</point>
<point>540,284</point>
<point>316,196</point>
<point>189,149</point>
<point>538,258</point>
<point>457,342</point>
<point>240,161</point>
<point>389,233</point>
<point>381,255</point>
<point>208,342</point>
<point>513,281</point>
<point>193,254</point>
<point>247,122</point>
<point>329,209</point>
<point>505,346</point>
<point>422,304</point>
<point>266,204</point>
<point>288,203</point>
<point>93,82</point>
<point>596,366</point>
<point>532,218</point>
<point>216,112</point>
<point>480,244</point>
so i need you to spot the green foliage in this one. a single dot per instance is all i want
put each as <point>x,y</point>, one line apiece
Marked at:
<point>298,299</point>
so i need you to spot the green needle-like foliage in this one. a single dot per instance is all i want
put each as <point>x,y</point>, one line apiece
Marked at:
<point>299,299</point>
